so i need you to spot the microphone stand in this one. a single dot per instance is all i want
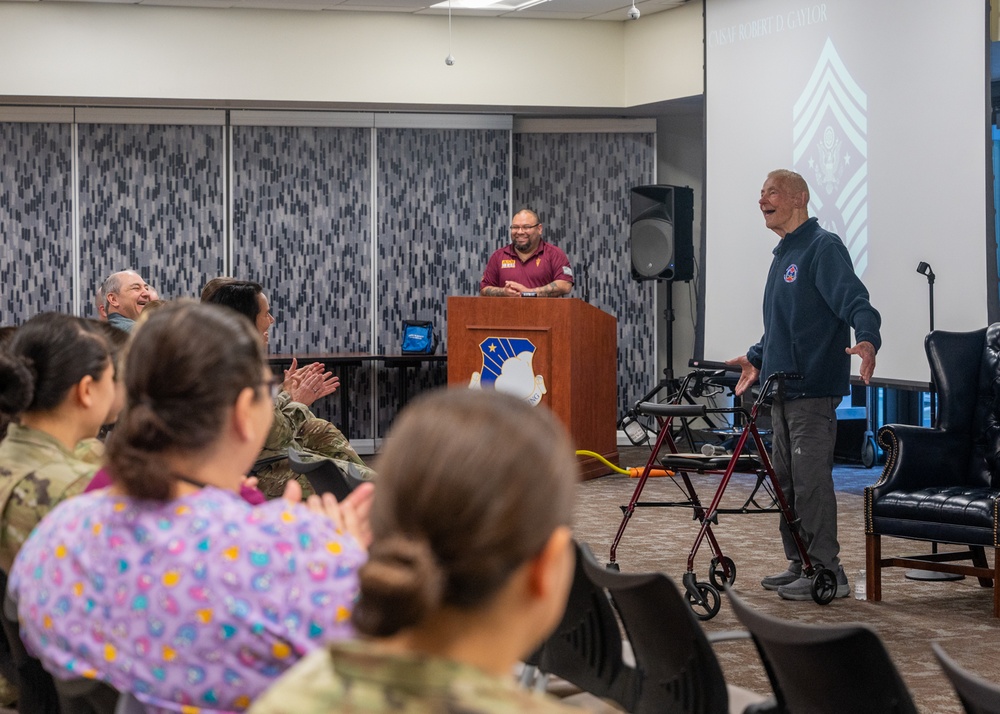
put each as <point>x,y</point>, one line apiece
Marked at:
<point>930,297</point>
<point>925,270</point>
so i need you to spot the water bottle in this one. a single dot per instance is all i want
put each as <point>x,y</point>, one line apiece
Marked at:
<point>859,586</point>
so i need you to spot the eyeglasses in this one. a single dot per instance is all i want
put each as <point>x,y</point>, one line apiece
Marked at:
<point>515,229</point>
<point>273,387</point>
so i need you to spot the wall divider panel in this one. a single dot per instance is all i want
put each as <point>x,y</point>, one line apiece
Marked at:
<point>302,228</point>
<point>352,222</point>
<point>151,197</point>
<point>36,219</point>
<point>578,174</point>
<point>442,209</point>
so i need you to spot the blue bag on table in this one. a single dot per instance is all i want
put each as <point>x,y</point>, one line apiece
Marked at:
<point>419,337</point>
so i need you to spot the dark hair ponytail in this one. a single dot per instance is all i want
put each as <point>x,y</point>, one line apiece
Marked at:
<point>184,368</point>
<point>471,486</point>
<point>47,356</point>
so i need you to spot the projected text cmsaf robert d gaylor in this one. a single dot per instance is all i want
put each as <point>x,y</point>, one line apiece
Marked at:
<point>772,24</point>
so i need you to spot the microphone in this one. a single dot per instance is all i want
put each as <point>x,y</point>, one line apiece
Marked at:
<point>586,283</point>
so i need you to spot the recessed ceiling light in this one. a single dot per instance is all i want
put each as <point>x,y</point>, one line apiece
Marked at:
<point>467,4</point>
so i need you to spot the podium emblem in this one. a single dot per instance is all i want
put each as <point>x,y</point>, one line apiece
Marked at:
<point>507,368</point>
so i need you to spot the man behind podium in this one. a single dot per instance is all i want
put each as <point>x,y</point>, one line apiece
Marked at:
<point>529,266</point>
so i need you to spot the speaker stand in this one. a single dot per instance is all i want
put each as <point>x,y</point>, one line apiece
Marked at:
<point>669,383</point>
<point>668,318</point>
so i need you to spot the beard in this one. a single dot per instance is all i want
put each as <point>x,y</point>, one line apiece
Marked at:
<point>526,248</point>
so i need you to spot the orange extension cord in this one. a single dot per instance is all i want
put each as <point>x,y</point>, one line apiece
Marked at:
<point>631,472</point>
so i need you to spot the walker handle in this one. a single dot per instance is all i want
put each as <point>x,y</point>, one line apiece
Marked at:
<point>671,410</point>
<point>705,364</point>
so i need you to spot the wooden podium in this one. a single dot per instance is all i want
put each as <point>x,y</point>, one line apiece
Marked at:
<point>571,363</point>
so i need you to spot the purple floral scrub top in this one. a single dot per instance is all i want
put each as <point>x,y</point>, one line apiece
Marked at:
<point>195,605</point>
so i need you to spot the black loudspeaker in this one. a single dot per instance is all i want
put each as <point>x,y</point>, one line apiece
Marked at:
<point>660,237</point>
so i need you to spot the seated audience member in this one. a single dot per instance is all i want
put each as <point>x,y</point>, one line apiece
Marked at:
<point>154,304</point>
<point>469,567</point>
<point>168,585</point>
<point>125,295</point>
<point>57,381</point>
<point>6,335</point>
<point>92,449</point>
<point>101,302</point>
<point>212,285</point>
<point>294,424</point>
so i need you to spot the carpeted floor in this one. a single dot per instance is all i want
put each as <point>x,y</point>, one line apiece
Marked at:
<point>910,616</point>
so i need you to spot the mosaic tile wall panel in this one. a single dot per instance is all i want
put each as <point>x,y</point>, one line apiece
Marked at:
<point>302,228</point>
<point>442,207</point>
<point>151,198</point>
<point>36,238</point>
<point>580,185</point>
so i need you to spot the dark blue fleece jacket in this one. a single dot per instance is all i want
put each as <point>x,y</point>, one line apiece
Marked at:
<point>811,300</point>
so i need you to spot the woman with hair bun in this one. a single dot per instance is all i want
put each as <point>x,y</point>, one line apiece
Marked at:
<point>469,568</point>
<point>57,382</point>
<point>167,584</point>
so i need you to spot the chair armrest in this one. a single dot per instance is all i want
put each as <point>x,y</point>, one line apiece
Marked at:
<point>728,636</point>
<point>918,457</point>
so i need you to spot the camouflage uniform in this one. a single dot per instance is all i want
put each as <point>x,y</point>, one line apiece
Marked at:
<point>294,425</point>
<point>90,450</point>
<point>36,473</point>
<point>357,677</point>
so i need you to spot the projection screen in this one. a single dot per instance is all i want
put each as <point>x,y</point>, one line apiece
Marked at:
<point>882,107</point>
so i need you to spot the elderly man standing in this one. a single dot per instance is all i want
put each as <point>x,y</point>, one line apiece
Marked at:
<point>812,299</point>
<point>529,266</point>
<point>125,294</point>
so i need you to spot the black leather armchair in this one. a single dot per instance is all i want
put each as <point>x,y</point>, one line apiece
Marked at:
<point>943,484</point>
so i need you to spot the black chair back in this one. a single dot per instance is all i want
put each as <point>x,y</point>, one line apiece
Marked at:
<point>825,669</point>
<point>955,359</point>
<point>964,368</point>
<point>977,695</point>
<point>323,475</point>
<point>36,688</point>
<point>674,669</point>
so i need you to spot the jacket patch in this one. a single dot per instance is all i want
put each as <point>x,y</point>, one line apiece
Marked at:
<point>791,272</point>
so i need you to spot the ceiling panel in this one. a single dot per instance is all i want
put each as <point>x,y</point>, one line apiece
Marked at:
<point>610,10</point>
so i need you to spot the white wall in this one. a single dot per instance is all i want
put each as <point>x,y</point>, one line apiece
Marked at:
<point>664,56</point>
<point>138,53</point>
<point>680,162</point>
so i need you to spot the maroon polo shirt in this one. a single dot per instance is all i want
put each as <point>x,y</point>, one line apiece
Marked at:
<point>548,263</point>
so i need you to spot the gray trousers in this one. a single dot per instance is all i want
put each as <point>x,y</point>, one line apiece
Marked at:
<point>802,443</point>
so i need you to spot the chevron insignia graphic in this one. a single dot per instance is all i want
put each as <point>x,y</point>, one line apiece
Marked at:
<point>830,149</point>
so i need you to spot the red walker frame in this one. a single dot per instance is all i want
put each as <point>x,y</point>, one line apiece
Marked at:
<point>703,597</point>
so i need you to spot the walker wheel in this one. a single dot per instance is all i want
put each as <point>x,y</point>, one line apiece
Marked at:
<point>706,605</point>
<point>717,573</point>
<point>824,586</point>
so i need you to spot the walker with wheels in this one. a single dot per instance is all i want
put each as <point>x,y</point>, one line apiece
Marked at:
<point>703,596</point>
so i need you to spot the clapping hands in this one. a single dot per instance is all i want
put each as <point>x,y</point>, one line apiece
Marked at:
<point>307,384</point>
<point>351,516</point>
